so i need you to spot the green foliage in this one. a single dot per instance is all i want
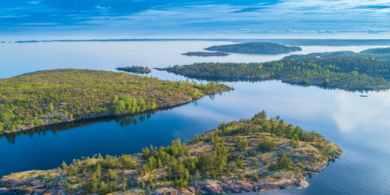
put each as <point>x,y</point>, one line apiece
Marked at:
<point>294,141</point>
<point>214,164</point>
<point>135,69</point>
<point>127,162</point>
<point>124,183</point>
<point>112,175</point>
<point>73,171</point>
<point>68,186</point>
<point>64,165</point>
<point>175,166</point>
<point>283,163</point>
<point>267,144</point>
<point>377,51</point>
<point>49,175</point>
<point>350,73</point>
<point>255,48</point>
<point>243,143</point>
<point>28,100</point>
<point>109,162</point>
<point>162,156</point>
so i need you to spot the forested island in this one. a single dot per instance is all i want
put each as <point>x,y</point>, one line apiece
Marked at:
<point>256,154</point>
<point>379,53</point>
<point>135,69</point>
<point>349,73</point>
<point>255,48</point>
<point>63,95</point>
<point>206,54</point>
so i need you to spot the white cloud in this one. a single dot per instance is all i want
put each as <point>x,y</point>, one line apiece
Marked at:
<point>354,111</point>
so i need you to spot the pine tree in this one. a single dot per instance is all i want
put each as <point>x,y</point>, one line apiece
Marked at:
<point>64,165</point>
<point>124,183</point>
<point>98,170</point>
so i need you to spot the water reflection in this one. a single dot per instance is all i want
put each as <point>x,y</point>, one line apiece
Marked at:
<point>232,80</point>
<point>122,120</point>
<point>352,113</point>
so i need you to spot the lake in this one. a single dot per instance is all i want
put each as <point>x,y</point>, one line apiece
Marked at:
<point>360,126</point>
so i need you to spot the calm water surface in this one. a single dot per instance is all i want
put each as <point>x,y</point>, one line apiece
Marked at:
<point>359,125</point>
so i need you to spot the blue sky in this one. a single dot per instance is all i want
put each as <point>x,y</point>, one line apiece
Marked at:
<point>197,17</point>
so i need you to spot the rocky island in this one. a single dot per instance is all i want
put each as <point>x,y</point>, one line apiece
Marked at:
<point>64,95</point>
<point>255,48</point>
<point>135,69</point>
<point>256,154</point>
<point>348,73</point>
<point>206,54</point>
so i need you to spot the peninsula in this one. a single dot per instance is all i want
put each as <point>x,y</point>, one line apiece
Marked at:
<point>256,154</point>
<point>56,96</point>
<point>378,53</point>
<point>255,48</point>
<point>206,54</point>
<point>348,73</point>
<point>135,69</point>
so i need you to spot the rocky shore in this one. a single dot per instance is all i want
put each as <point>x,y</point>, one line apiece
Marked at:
<point>254,173</point>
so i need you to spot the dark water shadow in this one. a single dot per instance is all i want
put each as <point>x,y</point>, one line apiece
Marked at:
<point>123,120</point>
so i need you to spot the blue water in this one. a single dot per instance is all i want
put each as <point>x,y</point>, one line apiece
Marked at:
<point>359,125</point>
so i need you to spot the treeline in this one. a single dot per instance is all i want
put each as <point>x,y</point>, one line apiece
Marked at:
<point>54,96</point>
<point>378,53</point>
<point>135,69</point>
<point>206,54</point>
<point>255,48</point>
<point>339,72</point>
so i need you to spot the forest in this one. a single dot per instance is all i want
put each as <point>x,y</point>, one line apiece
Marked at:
<point>254,152</point>
<point>135,69</point>
<point>206,54</point>
<point>255,48</point>
<point>54,96</point>
<point>378,53</point>
<point>349,73</point>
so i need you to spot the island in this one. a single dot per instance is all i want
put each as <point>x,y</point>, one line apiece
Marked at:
<point>255,48</point>
<point>135,69</point>
<point>32,41</point>
<point>348,73</point>
<point>206,54</point>
<point>64,95</point>
<point>256,154</point>
<point>379,53</point>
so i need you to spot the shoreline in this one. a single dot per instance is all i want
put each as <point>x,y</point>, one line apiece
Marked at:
<point>10,132</point>
<point>253,168</point>
<point>312,82</point>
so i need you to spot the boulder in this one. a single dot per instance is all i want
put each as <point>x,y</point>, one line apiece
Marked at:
<point>275,185</point>
<point>302,184</point>
<point>3,190</point>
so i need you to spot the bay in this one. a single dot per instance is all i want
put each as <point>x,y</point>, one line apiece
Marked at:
<point>360,126</point>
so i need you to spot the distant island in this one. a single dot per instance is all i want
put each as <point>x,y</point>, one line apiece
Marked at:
<point>300,42</point>
<point>256,154</point>
<point>206,54</point>
<point>32,41</point>
<point>349,73</point>
<point>63,95</point>
<point>255,48</point>
<point>135,69</point>
<point>379,53</point>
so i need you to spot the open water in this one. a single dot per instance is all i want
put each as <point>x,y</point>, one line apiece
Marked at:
<point>360,126</point>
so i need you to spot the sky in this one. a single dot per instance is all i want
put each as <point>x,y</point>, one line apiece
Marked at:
<point>197,18</point>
